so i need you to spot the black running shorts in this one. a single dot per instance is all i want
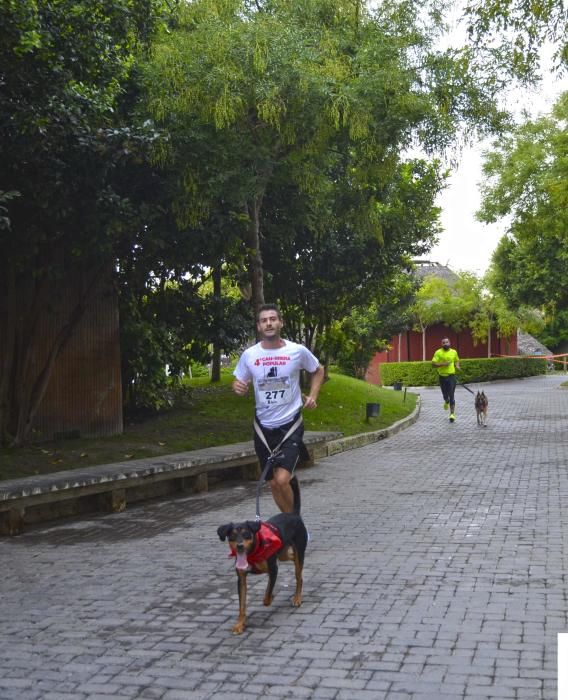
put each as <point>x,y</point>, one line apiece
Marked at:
<point>290,452</point>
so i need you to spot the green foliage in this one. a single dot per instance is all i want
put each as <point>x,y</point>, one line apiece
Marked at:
<point>472,370</point>
<point>354,340</point>
<point>316,99</point>
<point>172,324</point>
<point>65,138</point>
<point>5,197</point>
<point>511,33</point>
<point>199,371</point>
<point>320,265</point>
<point>434,302</point>
<point>555,333</point>
<point>527,181</point>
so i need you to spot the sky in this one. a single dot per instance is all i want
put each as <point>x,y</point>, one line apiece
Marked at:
<point>467,244</point>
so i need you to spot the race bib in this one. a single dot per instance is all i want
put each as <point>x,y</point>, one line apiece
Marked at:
<point>274,391</point>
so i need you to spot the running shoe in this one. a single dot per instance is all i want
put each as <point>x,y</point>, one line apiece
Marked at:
<point>446,405</point>
<point>452,417</point>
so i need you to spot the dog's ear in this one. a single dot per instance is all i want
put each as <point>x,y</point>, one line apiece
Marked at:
<point>224,530</point>
<point>253,525</point>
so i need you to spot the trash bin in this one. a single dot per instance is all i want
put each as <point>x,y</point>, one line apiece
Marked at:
<point>397,386</point>
<point>373,410</point>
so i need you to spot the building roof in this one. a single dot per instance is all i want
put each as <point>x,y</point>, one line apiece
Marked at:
<point>527,345</point>
<point>423,268</point>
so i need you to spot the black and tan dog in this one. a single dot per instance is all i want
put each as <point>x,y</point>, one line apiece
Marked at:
<point>257,547</point>
<point>481,404</point>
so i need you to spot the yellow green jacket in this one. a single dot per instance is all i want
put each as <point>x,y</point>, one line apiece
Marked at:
<point>450,356</point>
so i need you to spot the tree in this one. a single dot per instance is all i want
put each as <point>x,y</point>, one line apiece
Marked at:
<point>527,183</point>
<point>253,94</point>
<point>513,32</point>
<point>353,340</point>
<point>64,70</point>
<point>171,308</point>
<point>492,313</point>
<point>320,265</point>
<point>433,302</point>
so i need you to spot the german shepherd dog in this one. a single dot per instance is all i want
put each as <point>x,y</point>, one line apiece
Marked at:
<point>257,546</point>
<point>481,404</point>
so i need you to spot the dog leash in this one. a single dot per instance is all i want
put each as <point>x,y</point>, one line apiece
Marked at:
<point>466,387</point>
<point>297,423</point>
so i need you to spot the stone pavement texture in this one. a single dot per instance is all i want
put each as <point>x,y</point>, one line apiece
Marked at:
<point>436,571</point>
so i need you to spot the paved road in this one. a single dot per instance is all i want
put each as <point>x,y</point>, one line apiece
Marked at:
<point>436,570</point>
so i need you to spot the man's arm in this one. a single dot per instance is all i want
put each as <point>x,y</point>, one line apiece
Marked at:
<point>240,388</point>
<point>317,377</point>
<point>435,362</point>
<point>242,377</point>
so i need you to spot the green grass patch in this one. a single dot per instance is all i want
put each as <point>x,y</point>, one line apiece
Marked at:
<point>214,415</point>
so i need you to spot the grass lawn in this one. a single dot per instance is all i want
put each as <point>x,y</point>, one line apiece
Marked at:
<point>214,416</point>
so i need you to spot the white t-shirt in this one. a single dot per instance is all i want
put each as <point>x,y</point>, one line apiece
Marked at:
<point>275,374</point>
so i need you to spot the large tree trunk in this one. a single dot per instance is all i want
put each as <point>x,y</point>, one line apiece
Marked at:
<point>7,352</point>
<point>255,265</point>
<point>216,358</point>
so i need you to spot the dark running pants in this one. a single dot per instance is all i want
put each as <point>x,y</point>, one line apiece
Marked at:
<point>448,386</point>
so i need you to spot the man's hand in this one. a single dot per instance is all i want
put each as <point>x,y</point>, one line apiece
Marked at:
<point>309,402</point>
<point>240,388</point>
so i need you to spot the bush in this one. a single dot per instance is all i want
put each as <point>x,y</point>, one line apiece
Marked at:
<point>480,369</point>
<point>199,370</point>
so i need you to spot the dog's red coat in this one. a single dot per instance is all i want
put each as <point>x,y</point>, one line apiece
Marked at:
<point>268,542</point>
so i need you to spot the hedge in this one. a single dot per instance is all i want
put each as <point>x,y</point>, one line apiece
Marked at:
<point>482,369</point>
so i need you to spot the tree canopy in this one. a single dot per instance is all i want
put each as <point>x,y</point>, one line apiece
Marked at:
<point>513,33</point>
<point>527,186</point>
<point>315,97</point>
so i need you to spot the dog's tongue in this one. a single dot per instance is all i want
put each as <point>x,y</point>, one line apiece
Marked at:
<point>242,562</point>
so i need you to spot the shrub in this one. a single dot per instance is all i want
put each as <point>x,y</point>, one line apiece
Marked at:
<point>199,370</point>
<point>480,369</point>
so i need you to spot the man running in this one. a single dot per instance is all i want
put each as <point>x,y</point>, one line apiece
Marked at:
<point>273,365</point>
<point>446,361</point>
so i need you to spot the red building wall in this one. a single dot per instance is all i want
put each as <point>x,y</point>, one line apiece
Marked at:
<point>407,347</point>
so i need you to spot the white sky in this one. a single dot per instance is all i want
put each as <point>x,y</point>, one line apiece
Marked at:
<point>467,244</point>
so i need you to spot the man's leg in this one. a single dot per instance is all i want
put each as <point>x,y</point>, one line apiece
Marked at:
<point>281,489</point>
<point>445,394</point>
<point>451,392</point>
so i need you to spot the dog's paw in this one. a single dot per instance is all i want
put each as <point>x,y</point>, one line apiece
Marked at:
<point>239,628</point>
<point>296,601</point>
<point>267,600</point>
